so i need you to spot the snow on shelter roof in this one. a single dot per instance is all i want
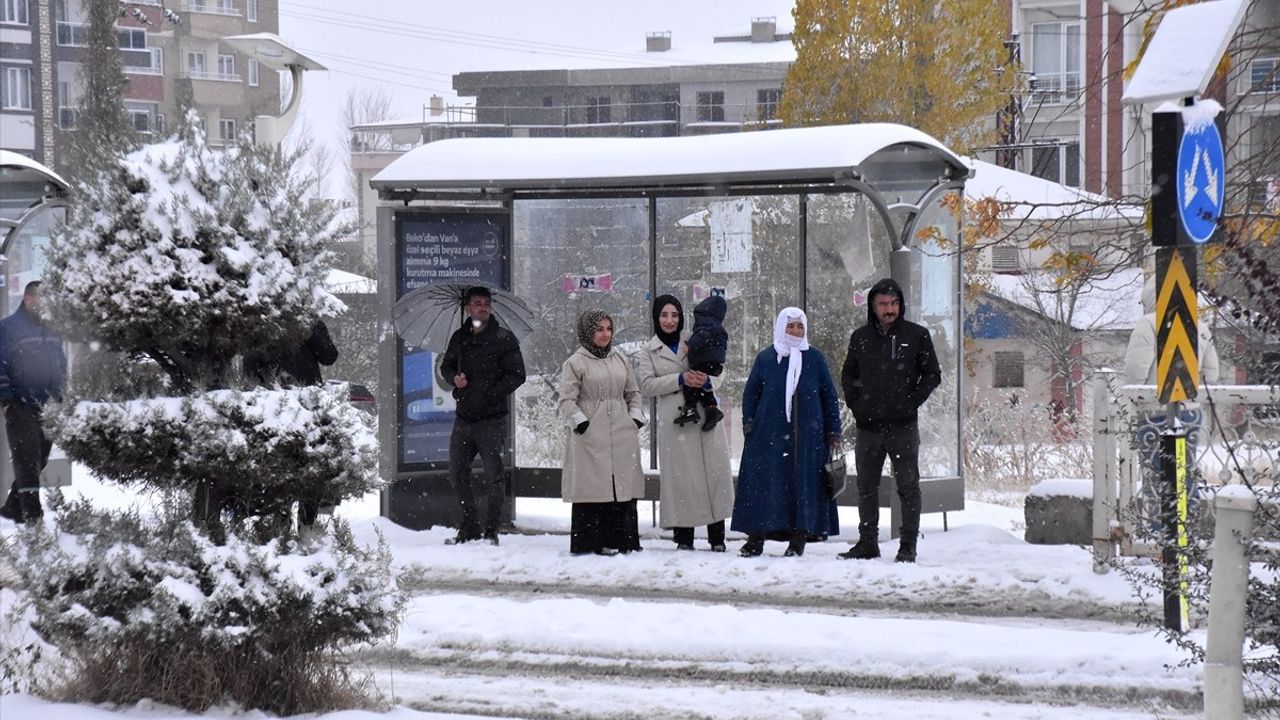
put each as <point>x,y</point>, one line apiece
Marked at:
<point>819,154</point>
<point>9,159</point>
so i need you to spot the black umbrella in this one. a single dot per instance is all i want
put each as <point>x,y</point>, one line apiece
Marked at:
<point>427,316</point>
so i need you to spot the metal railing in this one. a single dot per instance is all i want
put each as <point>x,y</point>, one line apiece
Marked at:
<point>215,76</point>
<point>1117,471</point>
<point>225,9</point>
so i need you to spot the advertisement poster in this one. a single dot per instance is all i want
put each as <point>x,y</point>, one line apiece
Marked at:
<point>463,248</point>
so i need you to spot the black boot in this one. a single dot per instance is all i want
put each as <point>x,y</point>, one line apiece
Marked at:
<point>714,416</point>
<point>868,548</point>
<point>715,536</point>
<point>683,537</point>
<point>795,548</point>
<point>688,414</point>
<point>753,547</point>
<point>10,508</point>
<point>907,547</point>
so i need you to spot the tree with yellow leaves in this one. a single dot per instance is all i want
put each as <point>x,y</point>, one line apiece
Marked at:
<point>941,67</point>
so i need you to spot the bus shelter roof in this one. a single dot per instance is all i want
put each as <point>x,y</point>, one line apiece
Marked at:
<point>874,154</point>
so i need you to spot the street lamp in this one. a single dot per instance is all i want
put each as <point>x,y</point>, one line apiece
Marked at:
<point>270,50</point>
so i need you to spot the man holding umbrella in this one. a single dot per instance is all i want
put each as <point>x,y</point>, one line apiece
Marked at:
<point>484,363</point>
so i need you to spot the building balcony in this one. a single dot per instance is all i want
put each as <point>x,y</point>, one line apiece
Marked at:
<point>216,8</point>
<point>214,76</point>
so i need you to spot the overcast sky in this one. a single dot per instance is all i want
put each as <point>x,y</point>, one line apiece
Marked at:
<point>414,47</point>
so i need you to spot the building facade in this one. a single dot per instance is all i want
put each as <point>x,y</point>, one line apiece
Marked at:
<point>163,46</point>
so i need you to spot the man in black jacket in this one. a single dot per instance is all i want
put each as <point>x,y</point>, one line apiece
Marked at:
<point>295,366</point>
<point>33,367</point>
<point>484,363</point>
<point>889,371</point>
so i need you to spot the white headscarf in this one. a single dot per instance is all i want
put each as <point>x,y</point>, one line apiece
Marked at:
<point>790,346</point>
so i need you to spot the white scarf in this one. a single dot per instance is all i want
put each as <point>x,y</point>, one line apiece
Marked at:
<point>791,347</point>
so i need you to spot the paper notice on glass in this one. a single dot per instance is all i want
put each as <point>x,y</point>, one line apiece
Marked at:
<point>730,224</point>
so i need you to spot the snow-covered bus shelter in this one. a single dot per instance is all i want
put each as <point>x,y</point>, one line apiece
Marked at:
<point>810,217</point>
<point>32,203</point>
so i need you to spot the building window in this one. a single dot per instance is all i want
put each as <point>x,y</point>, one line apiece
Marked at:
<point>157,60</point>
<point>227,130</point>
<point>1264,75</point>
<point>1007,369</point>
<point>66,109</point>
<point>141,120</point>
<point>195,64</point>
<point>15,13</point>
<point>711,106</point>
<point>227,66</point>
<point>1055,60</point>
<point>599,110</point>
<point>253,72</point>
<point>1057,163</point>
<point>16,93</point>
<point>159,124</point>
<point>767,102</point>
<point>72,34</point>
<point>132,38</point>
<point>251,10</point>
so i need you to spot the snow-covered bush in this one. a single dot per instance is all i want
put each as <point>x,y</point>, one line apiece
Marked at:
<point>191,255</point>
<point>150,608</point>
<point>270,448</point>
<point>174,260</point>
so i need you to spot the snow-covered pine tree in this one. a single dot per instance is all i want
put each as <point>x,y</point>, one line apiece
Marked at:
<point>175,258</point>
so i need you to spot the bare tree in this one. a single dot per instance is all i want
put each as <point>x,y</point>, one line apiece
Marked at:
<point>363,105</point>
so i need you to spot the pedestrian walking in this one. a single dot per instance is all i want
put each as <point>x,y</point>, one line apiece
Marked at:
<point>33,368</point>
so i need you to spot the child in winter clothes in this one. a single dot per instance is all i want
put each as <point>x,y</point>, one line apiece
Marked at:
<point>707,346</point>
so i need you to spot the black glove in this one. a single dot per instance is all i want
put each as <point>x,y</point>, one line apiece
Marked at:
<point>638,423</point>
<point>747,427</point>
<point>582,427</point>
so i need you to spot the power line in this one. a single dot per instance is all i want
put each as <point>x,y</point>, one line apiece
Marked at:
<point>397,27</point>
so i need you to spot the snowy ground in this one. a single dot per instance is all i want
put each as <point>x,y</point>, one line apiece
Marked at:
<point>983,626</point>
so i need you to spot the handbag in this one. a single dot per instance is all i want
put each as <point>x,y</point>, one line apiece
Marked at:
<point>836,475</point>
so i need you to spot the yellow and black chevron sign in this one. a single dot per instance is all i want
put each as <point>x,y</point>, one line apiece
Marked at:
<point>1177,365</point>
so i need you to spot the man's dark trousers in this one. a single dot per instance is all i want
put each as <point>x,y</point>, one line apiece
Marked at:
<point>30,450</point>
<point>901,443</point>
<point>487,437</point>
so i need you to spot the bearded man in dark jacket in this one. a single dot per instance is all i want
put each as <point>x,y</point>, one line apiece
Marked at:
<point>889,371</point>
<point>484,363</point>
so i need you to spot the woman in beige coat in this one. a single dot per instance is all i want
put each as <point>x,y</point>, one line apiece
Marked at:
<point>602,475</point>
<point>696,481</point>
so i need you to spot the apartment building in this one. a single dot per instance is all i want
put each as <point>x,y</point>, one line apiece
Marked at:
<point>163,44</point>
<point>676,85</point>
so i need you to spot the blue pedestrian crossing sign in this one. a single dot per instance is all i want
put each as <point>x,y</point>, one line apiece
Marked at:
<point>1200,180</point>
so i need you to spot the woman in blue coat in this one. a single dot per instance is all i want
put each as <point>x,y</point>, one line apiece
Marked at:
<point>791,420</point>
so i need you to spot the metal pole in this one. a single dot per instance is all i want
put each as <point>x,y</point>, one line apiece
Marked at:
<point>1104,463</point>
<point>1223,674</point>
<point>1173,518</point>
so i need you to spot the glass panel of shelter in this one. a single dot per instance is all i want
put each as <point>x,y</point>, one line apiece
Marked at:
<point>574,254</point>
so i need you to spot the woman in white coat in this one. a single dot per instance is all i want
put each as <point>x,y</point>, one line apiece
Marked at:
<point>696,481</point>
<point>602,475</point>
